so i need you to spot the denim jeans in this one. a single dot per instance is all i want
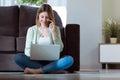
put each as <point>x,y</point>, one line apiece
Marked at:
<point>47,66</point>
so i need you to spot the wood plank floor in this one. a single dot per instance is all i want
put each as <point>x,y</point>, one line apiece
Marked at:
<point>21,76</point>
<point>82,75</point>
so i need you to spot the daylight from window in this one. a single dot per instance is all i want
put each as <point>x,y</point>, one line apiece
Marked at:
<point>62,13</point>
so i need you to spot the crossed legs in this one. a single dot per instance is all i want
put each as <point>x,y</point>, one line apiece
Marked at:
<point>38,67</point>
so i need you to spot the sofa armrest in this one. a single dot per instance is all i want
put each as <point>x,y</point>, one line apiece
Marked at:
<point>72,33</point>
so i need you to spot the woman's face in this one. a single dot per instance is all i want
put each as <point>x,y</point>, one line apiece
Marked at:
<point>43,18</point>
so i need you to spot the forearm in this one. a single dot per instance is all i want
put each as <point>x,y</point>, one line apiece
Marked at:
<point>54,35</point>
<point>57,38</point>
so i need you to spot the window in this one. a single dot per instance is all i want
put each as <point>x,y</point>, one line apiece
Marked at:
<point>7,2</point>
<point>62,13</point>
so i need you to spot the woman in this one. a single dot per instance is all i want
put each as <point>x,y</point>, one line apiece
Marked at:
<point>45,32</point>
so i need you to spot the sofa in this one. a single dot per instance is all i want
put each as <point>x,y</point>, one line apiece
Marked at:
<point>14,22</point>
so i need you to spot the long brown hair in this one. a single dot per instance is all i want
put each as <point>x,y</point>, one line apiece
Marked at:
<point>44,8</point>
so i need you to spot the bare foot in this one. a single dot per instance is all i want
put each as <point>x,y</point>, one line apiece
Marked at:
<point>32,71</point>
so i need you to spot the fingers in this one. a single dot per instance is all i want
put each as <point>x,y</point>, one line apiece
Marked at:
<point>49,20</point>
<point>52,24</point>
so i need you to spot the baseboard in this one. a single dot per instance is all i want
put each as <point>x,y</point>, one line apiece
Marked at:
<point>89,70</point>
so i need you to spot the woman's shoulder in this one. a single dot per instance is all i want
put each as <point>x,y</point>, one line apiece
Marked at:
<point>33,27</point>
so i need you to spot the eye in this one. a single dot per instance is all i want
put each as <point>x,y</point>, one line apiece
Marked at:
<point>42,16</point>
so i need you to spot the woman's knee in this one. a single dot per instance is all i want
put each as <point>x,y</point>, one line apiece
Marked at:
<point>65,62</point>
<point>68,59</point>
<point>18,58</point>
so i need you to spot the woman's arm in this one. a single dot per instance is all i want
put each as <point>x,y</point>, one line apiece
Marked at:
<point>57,38</point>
<point>28,43</point>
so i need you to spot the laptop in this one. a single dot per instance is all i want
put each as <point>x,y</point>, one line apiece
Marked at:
<point>45,52</point>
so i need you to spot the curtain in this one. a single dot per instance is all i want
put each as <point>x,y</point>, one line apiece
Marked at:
<point>7,2</point>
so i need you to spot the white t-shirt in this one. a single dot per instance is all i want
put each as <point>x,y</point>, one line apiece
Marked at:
<point>43,41</point>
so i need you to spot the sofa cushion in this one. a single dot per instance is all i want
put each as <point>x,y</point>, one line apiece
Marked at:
<point>58,20</point>
<point>20,41</point>
<point>9,20</point>
<point>26,18</point>
<point>7,43</point>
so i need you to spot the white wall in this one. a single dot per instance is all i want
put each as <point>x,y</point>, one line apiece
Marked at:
<point>57,2</point>
<point>106,9</point>
<point>88,14</point>
<point>111,9</point>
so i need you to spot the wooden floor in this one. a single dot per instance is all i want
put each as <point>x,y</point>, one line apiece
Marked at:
<point>82,75</point>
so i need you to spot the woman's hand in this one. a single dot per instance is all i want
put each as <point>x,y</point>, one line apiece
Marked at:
<point>52,26</point>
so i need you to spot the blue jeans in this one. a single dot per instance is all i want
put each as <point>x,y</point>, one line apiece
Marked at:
<point>47,66</point>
